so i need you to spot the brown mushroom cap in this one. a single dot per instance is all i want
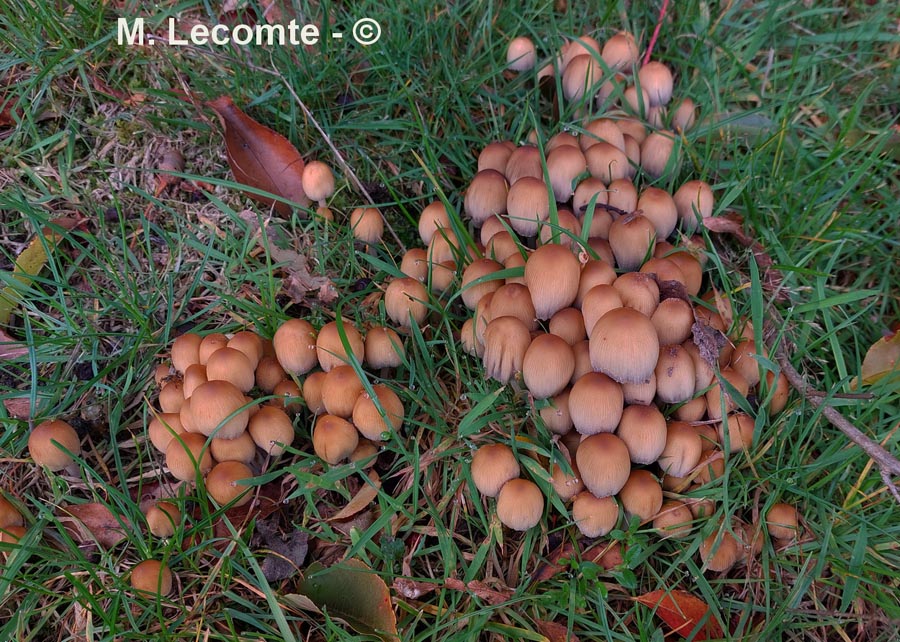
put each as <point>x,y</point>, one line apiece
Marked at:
<point>367,224</point>
<point>684,115</point>
<point>222,483</point>
<point>595,272</point>
<point>624,346</point>
<point>287,397</point>
<point>674,519</point>
<point>657,152</point>
<point>683,449</point>
<point>566,485</point>
<point>739,428</point>
<point>340,389</point>
<point>520,504</point>
<point>552,274</point>
<point>675,376</point>
<point>594,516</point>
<point>186,351</point>
<point>217,408</point>
<point>601,130</point>
<point>524,162</point>
<point>187,455</point>
<point>632,239</point>
<point>163,518</point>
<point>368,418</point>
<point>521,54</point>
<point>330,347</point>
<point>209,344</point>
<point>607,162</point>
<point>171,396</point>
<point>640,394</point>
<point>641,495</point>
<point>718,396</point>
<point>581,77</point>
<point>272,430</point>
<point>643,429</point>
<point>312,392</point>
<point>486,196</point>
<point>595,404</point>
<point>229,364</point>
<point>505,341</point>
<point>659,208</point>
<point>241,448</point>
<point>513,300</point>
<point>162,428</point>
<point>568,324</point>
<point>620,52</point>
<point>317,181</point>
<point>269,373</point>
<point>656,81</point>
<point>434,217</point>
<point>604,464</point>
<point>193,377</point>
<point>564,165</point>
<point>414,263</point>
<point>623,195</point>
<point>9,514</point>
<point>470,343</point>
<point>782,521</point>
<point>780,394</point>
<point>334,439</point>
<point>639,291</point>
<point>49,442</point>
<point>295,346</point>
<point>492,466</point>
<point>527,205</point>
<point>152,577</point>
<point>547,366</point>
<point>673,320</point>
<point>250,344</point>
<point>722,555</point>
<point>406,302</point>
<point>583,45</point>
<point>495,156</point>
<point>384,348</point>
<point>694,198</point>
<point>479,269</point>
<point>599,300</point>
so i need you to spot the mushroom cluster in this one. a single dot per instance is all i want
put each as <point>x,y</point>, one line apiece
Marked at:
<point>585,286</point>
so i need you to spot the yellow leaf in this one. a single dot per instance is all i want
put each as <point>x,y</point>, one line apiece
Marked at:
<point>881,360</point>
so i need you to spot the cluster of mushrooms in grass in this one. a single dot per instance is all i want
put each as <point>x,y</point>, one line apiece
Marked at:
<point>580,301</point>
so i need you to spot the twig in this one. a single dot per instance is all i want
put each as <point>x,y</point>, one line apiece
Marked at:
<point>655,36</point>
<point>337,155</point>
<point>886,462</point>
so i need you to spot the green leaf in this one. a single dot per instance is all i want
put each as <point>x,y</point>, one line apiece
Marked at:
<point>349,591</point>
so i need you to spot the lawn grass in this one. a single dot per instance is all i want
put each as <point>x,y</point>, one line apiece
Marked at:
<point>797,103</point>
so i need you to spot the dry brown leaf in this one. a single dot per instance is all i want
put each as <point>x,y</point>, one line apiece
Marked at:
<point>882,359</point>
<point>681,611</point>
<point>261,157</point>
<point>94,522</point>
<point>266,500</point>
<point>361,500</point>
<point>554,631</point>
<point>10,348</point>
<point>493,596</point>
<point>172,161</point>
<point>18,407</point>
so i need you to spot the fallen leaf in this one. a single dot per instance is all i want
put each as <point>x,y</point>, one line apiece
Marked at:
<point>285,552</point>
<point>412,589</point>
<point>266,500</point>
<point>18,407</point>
<point>28,264</point>
<point>555,632</point>
<point>10,348</point>
<point>94,522</point>
<point>261,157</point>
<point>8,114</point>
<point>172,161</point>
<point>361,500</point>
<point>709,341</point>
<point>493,596</point>
<point>349,591</point>
<point>681,611</point>
<point>881,359</point>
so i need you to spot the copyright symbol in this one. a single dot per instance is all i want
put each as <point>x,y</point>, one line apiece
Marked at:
<point>366,31</point>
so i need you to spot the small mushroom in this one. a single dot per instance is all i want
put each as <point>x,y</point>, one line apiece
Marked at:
<point>643,429</point>
<point>782,522</point>
<point>594,516</point>
<point>223,483</point>
<point>492,466</point>
<point>552,274</point>
<point>595,404</point>
<point>152,577</point>
<point>642,495</point>
<point>367,225</point>
<point>52,444</point>
<point>521,54</point>
<point>163,518</point>
<point>229,364</point>
<point>624,346</point>
<point>331,349</point>
<point>604,464</point>
<point>674,519</point>
<point>271,430</point>
<point>317,181</point>
<point>217,408</point>
<point>547,366</point>
<point>334,439</point>
<point>295,346</point>
<point>186,351</point>
<point>520,504</point>
<point>187,456</point>
<point>368,418</point>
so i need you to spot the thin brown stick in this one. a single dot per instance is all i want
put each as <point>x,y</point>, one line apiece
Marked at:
<point>348,171</point>
<point>886,462</point>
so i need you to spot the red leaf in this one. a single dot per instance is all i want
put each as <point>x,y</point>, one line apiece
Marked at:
<point>681,611</point>
<point>89,523</point>
<point>261,157</point>
<point>554,631</point>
